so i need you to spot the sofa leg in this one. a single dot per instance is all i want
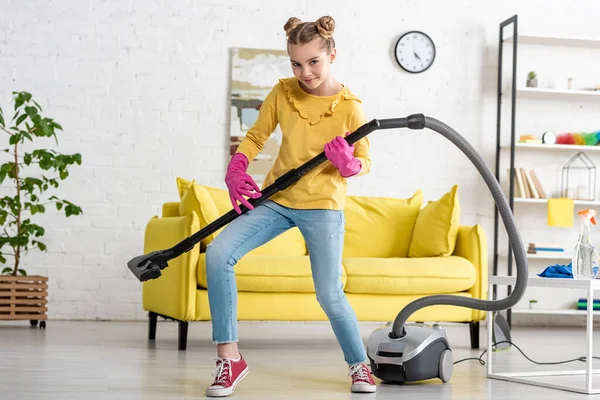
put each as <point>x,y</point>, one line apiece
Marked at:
<point>183,330</point>
<point>474,328</point>
<point>152,317</point>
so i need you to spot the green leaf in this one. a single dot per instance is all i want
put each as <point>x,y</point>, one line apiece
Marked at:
<point>22,272</point>
<point>21,119</point>
<point>2,176</point>
<point>45,128</point>
<point>45,163</point>
<point>6,270</point>
<point>1,117</point>
<point>31,111</point>
<point>14,139</point>
<point>64,174</point>
<point>37,105</point>
<point>59,205</point>
<point>77,158</point>
<point>27,159</point>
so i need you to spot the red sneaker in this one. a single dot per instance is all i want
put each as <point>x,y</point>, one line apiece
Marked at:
<point>227,375</point>
<point>362,380</point>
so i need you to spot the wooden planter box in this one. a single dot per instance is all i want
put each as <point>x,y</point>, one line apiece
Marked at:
<point>24,298</point>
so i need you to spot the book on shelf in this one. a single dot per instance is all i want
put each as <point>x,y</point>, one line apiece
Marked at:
<point>528,184</point>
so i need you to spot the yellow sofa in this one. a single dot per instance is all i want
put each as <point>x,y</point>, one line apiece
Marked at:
<point>395,251</point>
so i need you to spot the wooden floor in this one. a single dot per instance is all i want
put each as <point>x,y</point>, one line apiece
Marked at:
<point>95,360</point>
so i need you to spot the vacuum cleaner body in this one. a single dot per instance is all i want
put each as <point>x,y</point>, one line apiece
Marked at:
<point>424,353</point>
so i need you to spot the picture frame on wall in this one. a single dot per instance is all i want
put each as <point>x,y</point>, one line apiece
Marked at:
<point>254,72</point>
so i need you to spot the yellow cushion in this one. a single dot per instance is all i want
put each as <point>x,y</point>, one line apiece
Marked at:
<point>290,243</point>
<point>221,199</point>
<point>437,227</point>
<point>196,199</point>
<point>182,185</point>
<point>170,209</point>
<point>409,275</point>
<point>258,273</point>
<point>379,226</point>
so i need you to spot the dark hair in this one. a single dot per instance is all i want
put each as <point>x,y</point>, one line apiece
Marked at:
<point>298,32</point>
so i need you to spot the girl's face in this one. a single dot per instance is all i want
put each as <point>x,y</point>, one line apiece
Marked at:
<point>311,64</point>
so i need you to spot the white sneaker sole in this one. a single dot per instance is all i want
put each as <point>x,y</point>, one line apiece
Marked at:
<point>363,388</point>
<point>223,392</point>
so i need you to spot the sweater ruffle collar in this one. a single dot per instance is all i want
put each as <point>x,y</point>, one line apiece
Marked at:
<point>298,98</point>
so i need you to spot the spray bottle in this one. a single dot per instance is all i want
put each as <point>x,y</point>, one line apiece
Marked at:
<point>585,256</point>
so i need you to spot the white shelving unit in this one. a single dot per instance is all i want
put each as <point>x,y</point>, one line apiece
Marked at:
<point>545,201</point>
<point>556,41</point>
<point>536,46</point>
<point>564,257</point>
<point>534,311</point>
<point>551,147</point>
<point>548,92</point>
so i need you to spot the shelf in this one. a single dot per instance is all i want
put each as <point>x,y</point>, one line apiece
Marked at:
<point>556,41</point>
<point>543,257</point>
<point>557,311</point>
<point>550,147</point>
<point>549,257</point>
<point>536,281</point>
<point>526,91</point>
<point>561,256</point>
<point>545,201</point>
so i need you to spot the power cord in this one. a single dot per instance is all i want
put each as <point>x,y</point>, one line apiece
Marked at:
<point>480,358</point>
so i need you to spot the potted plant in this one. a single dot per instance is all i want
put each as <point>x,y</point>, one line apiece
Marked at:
<point>532,79</point>
<point>24,297</point>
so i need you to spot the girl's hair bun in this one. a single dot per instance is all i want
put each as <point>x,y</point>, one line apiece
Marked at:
<point>292,23</point>
<point>325,26</point>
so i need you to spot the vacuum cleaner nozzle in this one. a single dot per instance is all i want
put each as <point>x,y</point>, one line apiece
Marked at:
<point>148,266</point>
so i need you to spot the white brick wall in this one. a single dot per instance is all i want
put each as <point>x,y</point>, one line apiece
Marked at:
<point>141,88</point>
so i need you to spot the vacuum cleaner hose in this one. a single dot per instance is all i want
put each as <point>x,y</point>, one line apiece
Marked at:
<point>514,237</point>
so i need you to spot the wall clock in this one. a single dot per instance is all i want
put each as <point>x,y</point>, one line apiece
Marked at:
<point>415,52</point>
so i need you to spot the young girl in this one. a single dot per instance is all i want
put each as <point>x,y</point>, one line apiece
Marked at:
<point>313,111</point>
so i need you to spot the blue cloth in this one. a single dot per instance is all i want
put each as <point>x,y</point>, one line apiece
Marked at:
<point>558,271</point>
<point>561,271</point>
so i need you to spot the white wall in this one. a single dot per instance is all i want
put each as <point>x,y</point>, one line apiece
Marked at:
<point>141,88</point>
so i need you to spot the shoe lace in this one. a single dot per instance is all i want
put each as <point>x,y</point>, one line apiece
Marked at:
<point>222,373</point>
<point>359,372</point>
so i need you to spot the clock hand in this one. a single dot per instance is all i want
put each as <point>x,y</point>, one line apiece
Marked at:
<point>418,58</point>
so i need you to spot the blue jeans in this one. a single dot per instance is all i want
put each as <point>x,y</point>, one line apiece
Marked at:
<point>323,231</point>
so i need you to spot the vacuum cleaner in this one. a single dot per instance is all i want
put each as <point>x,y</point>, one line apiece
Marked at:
<point>397,353</point>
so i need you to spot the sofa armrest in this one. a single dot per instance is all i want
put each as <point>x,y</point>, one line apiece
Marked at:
<point>471,244</point>
<point>170,209</point>
<point>173,294</point>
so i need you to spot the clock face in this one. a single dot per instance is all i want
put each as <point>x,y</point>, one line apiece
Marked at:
<point>415,52</point>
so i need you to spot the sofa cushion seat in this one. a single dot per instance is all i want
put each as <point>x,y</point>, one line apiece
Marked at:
<point>262,273</point>
<point>426,275</point>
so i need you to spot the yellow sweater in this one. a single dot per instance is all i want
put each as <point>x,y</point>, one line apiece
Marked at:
<point>307,122</point>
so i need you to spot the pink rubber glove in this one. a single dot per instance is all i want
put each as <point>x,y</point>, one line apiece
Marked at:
<point>342,157</point>
<point>240,183</point>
